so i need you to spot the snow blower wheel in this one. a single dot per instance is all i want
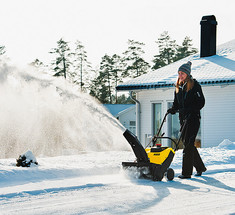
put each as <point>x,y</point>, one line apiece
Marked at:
<point>170,174</point>
<point>157,174</point>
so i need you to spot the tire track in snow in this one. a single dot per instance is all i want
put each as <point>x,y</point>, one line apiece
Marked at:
<point>49,190</point>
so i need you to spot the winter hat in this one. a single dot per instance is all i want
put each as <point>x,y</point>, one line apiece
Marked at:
<point>186,68</point>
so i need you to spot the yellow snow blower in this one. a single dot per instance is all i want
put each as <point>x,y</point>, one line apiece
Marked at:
<point>153,162</point>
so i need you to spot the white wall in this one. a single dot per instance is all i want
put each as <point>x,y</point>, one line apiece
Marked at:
<point>126,116</point>
<point>218,115</point>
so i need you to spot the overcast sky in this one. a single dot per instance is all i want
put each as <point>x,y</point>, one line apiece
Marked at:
<point>31,28</point>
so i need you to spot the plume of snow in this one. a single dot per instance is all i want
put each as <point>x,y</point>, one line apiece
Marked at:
<point>50,117</point>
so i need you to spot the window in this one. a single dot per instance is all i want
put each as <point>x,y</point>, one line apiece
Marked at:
<point>132,123</point>
<point>173,128</point>
<point>157,117</point>
<point>132,127</point>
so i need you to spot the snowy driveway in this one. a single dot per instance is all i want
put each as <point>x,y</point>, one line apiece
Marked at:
<point>94,183</point>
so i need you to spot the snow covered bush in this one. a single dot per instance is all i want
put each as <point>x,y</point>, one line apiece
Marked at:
<point>26,159</point>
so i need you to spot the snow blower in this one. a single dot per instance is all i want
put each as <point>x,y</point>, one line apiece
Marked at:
<point>153,162</point>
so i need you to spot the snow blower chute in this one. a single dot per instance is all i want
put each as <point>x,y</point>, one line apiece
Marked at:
<point>156,160</point>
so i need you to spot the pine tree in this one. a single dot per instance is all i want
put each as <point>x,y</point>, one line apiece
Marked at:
<point>133,60</point>
<point>167,51</point>
<point>106,71</point>
<point>122,99</point>
<point>62,62</point>
<point>82,68</point>
<point>37,63</point>
<point>39,66</point>
<point>99,88</point>
<point>116,72</point>
<point>186,49</point>
<point>2,50</point>
<point>104,85</point>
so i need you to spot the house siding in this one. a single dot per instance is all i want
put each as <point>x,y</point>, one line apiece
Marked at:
<point>218,115</point>
<point>126,116</point>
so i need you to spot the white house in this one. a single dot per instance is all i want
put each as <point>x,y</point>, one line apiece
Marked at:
<point>125,113</point>
<point>155,94</point>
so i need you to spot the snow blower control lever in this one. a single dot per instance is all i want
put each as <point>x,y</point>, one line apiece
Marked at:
<point>158,136</point>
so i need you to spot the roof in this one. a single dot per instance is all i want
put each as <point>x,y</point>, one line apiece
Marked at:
<point>216,69</point>
<point>115,109</point>
<point>131,108</point>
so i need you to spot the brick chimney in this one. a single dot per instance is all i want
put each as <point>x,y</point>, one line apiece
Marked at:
<point>208,36</point>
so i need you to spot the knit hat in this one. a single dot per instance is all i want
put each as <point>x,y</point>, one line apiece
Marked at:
<point>186,68</point>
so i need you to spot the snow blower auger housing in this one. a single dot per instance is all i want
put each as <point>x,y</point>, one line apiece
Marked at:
<point>155,159</point>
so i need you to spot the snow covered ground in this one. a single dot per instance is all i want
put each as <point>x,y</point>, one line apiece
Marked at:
<point>51,118</point>
<point>94,183</point>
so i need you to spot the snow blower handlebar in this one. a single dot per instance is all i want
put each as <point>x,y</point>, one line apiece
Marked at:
<point>156,136</point>
<point>176,143</point>
<point>164,120</point>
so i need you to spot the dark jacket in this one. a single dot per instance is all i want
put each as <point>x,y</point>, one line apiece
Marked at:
<point>190,102</point>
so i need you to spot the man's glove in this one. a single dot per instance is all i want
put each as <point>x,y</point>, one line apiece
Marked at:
<point>171,111</point>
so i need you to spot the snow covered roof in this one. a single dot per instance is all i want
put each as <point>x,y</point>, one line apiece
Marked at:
<point>115,109</point>
<point>216,69</point>
<point>131,108</point>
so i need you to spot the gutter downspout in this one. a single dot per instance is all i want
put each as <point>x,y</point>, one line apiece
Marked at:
<point>137,114</point>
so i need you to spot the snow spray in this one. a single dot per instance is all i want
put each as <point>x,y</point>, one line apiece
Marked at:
<point>50,117</point>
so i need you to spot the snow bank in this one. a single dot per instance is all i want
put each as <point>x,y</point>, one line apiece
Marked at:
<point>60,167</point>
<point>227,144</point>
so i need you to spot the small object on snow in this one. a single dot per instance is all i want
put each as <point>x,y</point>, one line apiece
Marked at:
<point>26,159</point>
